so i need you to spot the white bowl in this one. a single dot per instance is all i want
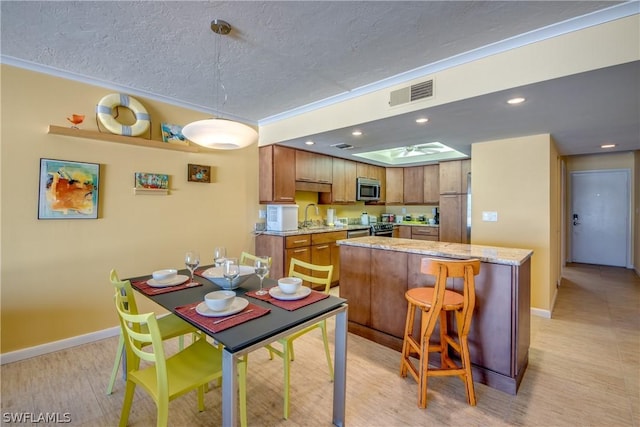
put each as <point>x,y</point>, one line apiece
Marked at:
<point>215,275</point>
<point>289,285</point>
<point>164,275</point>
<point>219,300</point>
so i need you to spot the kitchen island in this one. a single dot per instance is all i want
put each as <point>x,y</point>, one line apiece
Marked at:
<point>377,271</point>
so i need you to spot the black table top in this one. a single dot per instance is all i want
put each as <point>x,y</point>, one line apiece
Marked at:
<point>251,332</point>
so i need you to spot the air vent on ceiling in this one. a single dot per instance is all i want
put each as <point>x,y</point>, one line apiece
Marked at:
<point>411,93</point>
<point>343,146</point>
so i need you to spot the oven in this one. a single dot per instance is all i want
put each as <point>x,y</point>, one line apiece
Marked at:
<point>382,229</point>
<point>358,233</point>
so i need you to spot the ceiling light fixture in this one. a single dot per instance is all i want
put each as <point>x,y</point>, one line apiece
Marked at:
<point>422,120</point>
<point>309,143</point>
<point>607,145</point>
<point>356,133</point>
<point>219,133</point>
<point>515,101</point>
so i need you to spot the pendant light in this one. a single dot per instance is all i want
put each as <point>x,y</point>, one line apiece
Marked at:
<point>219,133</point>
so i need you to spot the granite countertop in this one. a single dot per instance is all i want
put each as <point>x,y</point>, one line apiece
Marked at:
<point>315,229</point>
<point>490,254</point>
<point>417,224</point>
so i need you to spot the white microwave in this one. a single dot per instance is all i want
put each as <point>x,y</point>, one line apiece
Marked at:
<point>367,189</point>
<point>282,217</point>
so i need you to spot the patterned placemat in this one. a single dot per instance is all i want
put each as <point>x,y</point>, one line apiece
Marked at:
<point>144,287</point>
<point>314,296</point>
<point>219,324</point>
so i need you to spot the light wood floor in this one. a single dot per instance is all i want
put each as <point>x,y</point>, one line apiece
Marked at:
<point>584,370</point>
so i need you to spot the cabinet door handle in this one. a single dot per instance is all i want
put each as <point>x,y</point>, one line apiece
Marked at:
<point>300,241</point>
<point>300,250</point>
<point>322,247</point>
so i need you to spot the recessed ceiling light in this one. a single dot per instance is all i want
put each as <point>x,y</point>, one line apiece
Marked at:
<point>356,133</point>
<point>422,120</point>
<point>309,143</point>
<point>607,145</point>
<point>514,101</point>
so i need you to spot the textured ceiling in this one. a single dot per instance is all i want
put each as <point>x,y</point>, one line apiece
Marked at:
<point>279,57</point>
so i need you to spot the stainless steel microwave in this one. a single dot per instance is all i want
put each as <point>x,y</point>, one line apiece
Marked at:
<point>367,189</point>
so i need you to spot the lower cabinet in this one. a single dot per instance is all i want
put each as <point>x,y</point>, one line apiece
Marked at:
<point>425,233</point>
<point>316,248</point>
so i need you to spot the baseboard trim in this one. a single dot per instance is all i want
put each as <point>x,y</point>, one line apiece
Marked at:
<point>27,353</point>
<point>541,313</point>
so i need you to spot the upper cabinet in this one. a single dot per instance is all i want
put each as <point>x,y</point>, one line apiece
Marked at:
<point>395,186</point>
<point>453,176</point>
<point>277,174</point>
<point>414,185</point>
<point>343,188</point>
<point>311,167</point>
<point>431,194</point>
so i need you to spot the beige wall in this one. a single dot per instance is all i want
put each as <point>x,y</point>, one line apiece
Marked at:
<point>54,273</point>
<point>626,160</point>
<point>518,179</point>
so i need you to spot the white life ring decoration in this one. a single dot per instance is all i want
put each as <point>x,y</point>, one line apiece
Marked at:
<point>104,113</point>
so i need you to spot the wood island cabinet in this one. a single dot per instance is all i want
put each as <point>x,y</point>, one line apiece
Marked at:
<point>394,184</point>
<point>316,248</point>
<point>343,188</point>
<point>374,282</point>
<point>277,174</point>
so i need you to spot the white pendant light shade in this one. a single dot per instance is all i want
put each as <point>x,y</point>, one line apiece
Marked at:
<point>220,134</point>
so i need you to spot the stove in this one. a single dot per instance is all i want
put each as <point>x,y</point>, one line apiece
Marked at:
<point>382,229</point>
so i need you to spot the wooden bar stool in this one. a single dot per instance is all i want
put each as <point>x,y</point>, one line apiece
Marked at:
<point>434,304</point>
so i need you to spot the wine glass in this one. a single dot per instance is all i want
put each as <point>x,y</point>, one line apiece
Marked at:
<point>231,270</point>
<point>219,254</point>
<point>261,265</point>
<point>192,261</point>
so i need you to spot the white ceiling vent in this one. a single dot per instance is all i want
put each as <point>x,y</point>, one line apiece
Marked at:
<point>411,93</point>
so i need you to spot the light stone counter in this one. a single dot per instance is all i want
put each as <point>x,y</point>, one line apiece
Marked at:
<point>490,254</point>
<point>313,230</point>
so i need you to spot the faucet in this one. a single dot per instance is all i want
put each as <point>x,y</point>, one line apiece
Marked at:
<point>306,209</point>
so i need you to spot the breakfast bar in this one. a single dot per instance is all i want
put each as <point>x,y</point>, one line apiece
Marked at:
<point>377,271</point>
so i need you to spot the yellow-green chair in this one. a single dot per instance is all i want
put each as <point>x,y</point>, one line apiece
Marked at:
<point>249,259</point>
<point>170,326</point>
<point>168,378</point>
<point>318,274</point>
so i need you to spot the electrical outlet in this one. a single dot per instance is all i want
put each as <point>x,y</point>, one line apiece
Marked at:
<point>490,216</point>
<point>262,213</point>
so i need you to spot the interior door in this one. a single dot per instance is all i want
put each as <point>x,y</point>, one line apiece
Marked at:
<point>600,217</point>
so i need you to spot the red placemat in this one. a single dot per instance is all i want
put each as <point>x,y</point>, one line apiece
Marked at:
<point>314,296</point>
<point>252,311</point>
<point>143,287</point>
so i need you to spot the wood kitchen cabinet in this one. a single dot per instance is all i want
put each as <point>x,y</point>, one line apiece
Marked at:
<point>404,231</point>
<point>312,167</point>
<point>413,185</point>
<point>394,184</point>
<point>316,248</point>
<point>277,182</point>
<point>425,233</point>
<point>343,188</point>
<point>453,201</point>
<point>431,185</point>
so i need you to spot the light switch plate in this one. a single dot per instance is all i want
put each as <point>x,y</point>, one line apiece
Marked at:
<point>490,216</point>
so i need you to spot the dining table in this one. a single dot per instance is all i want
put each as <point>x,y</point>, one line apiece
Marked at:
<point>240,339</point>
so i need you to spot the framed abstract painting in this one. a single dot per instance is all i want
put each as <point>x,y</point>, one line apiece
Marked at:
<point>68,189</point>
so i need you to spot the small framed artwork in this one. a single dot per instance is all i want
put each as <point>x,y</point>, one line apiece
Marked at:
<point>151,183</point>
<point>199,173</point>
<point>173,134</point>
<point>68,190</point>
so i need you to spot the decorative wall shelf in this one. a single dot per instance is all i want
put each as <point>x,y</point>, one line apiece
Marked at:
<point>151,191</point>
<point>108,137</point>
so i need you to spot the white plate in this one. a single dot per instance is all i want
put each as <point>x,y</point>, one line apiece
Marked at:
<point>300,293</point>
<point>178,280</point>
<point>237,306</point>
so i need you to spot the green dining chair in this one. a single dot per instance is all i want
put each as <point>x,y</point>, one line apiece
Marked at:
<point>170,326</point>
